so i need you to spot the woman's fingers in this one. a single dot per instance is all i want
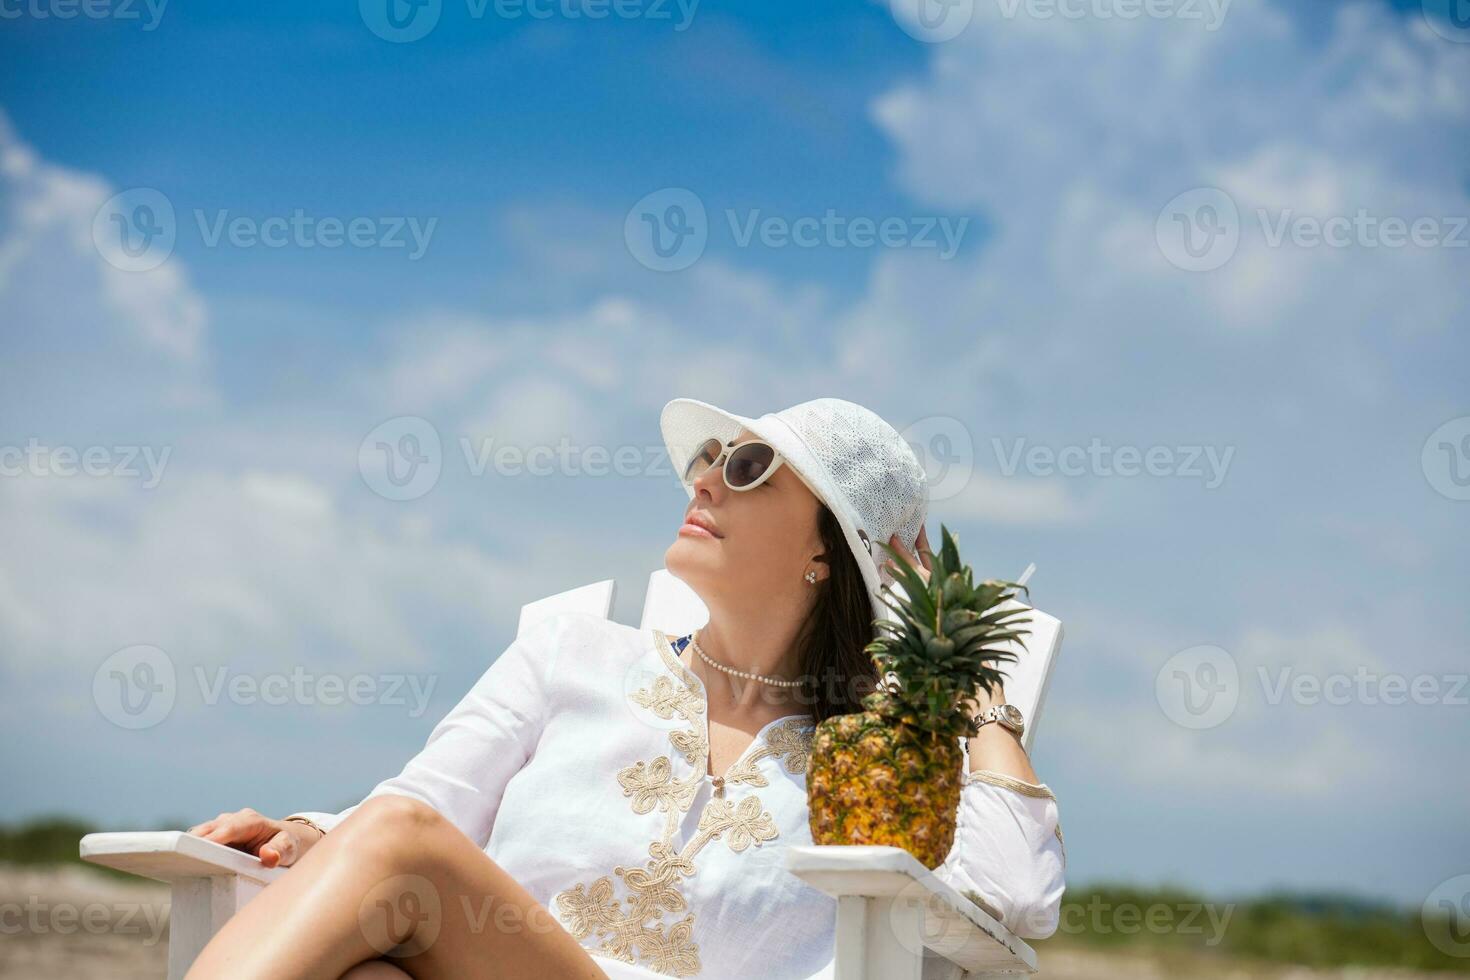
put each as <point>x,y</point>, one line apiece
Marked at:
<point>200,829</point>
<point>921,561</point>
<point>925,554</point>
<point>279,850</point>
<point>277,843</point>
<point>245,829</point>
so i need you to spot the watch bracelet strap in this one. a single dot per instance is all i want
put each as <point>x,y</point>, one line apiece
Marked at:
<point>992,714</point>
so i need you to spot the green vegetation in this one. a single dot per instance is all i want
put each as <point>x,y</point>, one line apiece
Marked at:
<point>1317,930</point>
<point>46,840</point>
<point>52,840</point>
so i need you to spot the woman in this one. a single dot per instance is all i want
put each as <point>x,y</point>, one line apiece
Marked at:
<point>613,802</point>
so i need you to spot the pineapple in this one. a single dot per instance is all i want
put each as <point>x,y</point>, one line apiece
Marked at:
<point>891,774</point>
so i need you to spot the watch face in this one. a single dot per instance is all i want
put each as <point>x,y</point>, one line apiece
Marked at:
<point>1011,715</point>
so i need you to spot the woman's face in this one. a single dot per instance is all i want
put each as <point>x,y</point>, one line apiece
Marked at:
<point>767,538</point>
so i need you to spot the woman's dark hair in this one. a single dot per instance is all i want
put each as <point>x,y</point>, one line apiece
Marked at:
<point>836,670</point>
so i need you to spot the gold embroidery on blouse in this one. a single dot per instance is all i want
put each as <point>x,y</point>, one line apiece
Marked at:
<point>1035,790</point>
<point>654,890</point>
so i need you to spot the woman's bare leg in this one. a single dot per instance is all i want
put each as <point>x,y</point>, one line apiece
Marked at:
<point>394,880</point>
<point>374,970</point>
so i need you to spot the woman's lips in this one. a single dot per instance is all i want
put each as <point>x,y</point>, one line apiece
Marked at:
<point>694,530</point>
<point>700,521</point>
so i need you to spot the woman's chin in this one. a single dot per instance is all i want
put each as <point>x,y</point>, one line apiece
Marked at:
<point>690,559</point>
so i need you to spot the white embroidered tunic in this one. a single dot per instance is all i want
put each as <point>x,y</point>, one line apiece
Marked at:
<point>579,762</point>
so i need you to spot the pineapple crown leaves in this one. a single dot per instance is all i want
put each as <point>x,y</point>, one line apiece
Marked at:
<point>950,640</point>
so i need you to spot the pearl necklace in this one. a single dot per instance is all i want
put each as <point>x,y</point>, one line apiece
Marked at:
<point>778,682</point>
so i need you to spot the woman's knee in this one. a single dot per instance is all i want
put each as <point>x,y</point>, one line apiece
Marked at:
<point>390,827</point>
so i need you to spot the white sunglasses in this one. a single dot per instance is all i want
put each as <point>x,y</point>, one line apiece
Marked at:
<point>747,465</point>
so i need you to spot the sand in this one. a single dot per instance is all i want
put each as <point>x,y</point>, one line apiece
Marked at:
<point>74,923</point>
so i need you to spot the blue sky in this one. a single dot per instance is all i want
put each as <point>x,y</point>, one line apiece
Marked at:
<point>1330,544</point>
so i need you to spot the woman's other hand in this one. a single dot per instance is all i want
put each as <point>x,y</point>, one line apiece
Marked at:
<point>923,562</point>
<point>275,842</point>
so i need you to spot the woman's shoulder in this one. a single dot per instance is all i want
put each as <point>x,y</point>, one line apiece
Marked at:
<point>570,631</point>
<point>581,649</point>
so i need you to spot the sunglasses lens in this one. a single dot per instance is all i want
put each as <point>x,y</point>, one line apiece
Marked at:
<point>703,456</point>
<point>747,463</point>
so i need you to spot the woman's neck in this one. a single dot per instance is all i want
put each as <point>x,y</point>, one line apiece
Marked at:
<point>763,648</point>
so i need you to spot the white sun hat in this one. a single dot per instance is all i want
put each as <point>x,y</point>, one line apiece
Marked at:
<point>853,461</point>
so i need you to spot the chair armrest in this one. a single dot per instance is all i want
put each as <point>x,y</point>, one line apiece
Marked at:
<point>173,855</point>
<point>877,886</point>
<point>210,882</point>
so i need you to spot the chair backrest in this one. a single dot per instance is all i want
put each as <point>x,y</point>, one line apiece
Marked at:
<point>676,609</point>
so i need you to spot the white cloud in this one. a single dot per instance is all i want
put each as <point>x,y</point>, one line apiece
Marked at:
<point>260,569</point>
<point>989,499</point>
<point>1073,164</point>
<point>49,248</point>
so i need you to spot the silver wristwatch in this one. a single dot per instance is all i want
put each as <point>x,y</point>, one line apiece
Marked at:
<point>1008,715</point>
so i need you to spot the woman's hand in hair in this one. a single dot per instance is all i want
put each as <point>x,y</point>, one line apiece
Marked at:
<point>924,560</point>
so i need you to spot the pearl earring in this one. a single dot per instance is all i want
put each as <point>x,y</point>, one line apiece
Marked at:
<point>811,578</point>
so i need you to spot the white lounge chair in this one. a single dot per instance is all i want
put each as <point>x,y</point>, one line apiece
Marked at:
<point>895,920</point>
